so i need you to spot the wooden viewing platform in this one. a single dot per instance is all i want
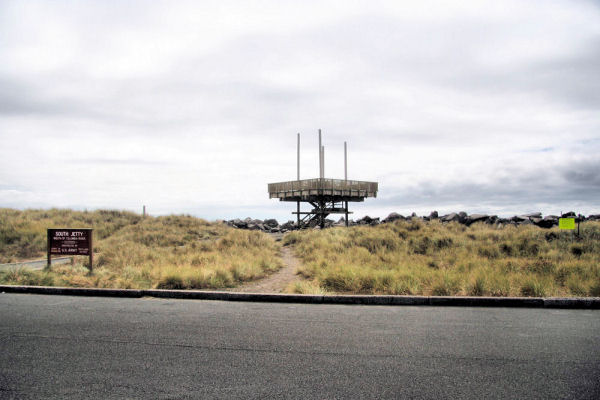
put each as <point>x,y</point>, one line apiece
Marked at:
<point>326,196</point>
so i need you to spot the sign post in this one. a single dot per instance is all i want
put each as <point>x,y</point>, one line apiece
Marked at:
<point>72,242</point>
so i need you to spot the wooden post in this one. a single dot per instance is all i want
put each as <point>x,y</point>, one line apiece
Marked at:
<point>49,263</point>
<point>144,212</point>
<point>91,267</point>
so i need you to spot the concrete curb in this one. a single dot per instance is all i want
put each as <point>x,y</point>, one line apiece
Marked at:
<point>68,291</point>
<point>590,303</point>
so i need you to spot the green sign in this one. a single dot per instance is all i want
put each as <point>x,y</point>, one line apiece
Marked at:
<point>566,223</point>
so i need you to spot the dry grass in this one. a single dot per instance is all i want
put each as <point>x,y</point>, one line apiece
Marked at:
<point>450,259</point>
<point>178,252</point>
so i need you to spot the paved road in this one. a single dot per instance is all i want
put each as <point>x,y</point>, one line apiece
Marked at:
<point>37,264</point>
<point>77,347</point>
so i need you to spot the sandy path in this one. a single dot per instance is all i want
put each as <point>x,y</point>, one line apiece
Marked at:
<point>277,281</point>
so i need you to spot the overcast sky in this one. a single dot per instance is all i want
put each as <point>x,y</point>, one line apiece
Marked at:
<point>479,106</point>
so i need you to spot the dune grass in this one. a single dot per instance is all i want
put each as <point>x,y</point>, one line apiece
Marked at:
<point>172,252</point>
<point>183,252</point>
<point>449,259</point>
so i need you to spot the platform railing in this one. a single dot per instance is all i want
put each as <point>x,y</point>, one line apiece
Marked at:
<point>322,184</point>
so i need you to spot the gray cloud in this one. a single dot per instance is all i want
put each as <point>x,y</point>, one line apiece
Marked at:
<point>575,183</point>
<point>21,98</point>
<point>572,80</point>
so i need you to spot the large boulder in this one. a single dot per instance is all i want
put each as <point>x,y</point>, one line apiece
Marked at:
<point>433,215</point>
<point>290,225</point>
<point>547,222</point>
<point>450,217</point>
<point>492,219</point>
<point>393,217</point>
<point>519,218</point>
<point>471,219</point>
<point>366,220</point>
<point>271,223</point>
<point>256,227</point>
<point>238,223</point>
<point>462,217</point>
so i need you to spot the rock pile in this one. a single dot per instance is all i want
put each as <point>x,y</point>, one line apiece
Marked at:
<point>272,226</point>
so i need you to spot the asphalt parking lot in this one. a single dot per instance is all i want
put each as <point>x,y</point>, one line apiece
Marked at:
<point>82,347</point>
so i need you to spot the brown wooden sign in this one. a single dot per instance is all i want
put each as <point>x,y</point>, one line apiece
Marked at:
<point>70,242</point>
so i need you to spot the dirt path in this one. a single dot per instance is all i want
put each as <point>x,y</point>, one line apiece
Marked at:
<point>277,281</point>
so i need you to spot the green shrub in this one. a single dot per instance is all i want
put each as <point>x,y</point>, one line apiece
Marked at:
<point>488,251</point>
<point>533,288</point>
<point>171,282</point>
<point>479,286</point>
<point>577,250</point>
<point>507,249</point>
<point>576,286</point>
<point>446,285</point>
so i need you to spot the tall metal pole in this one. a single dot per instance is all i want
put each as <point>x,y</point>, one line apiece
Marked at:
<point>298,176</point>
<point>345,162</point>
<point>320,157</point>
<point>323,162</point>
<point>346,177</point>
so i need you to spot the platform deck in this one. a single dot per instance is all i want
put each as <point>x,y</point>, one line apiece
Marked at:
<point>322,188</point>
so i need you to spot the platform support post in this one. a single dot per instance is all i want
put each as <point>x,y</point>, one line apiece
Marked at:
<point>321,214</point>
<point>346,209</point>
<point>298,214</point>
